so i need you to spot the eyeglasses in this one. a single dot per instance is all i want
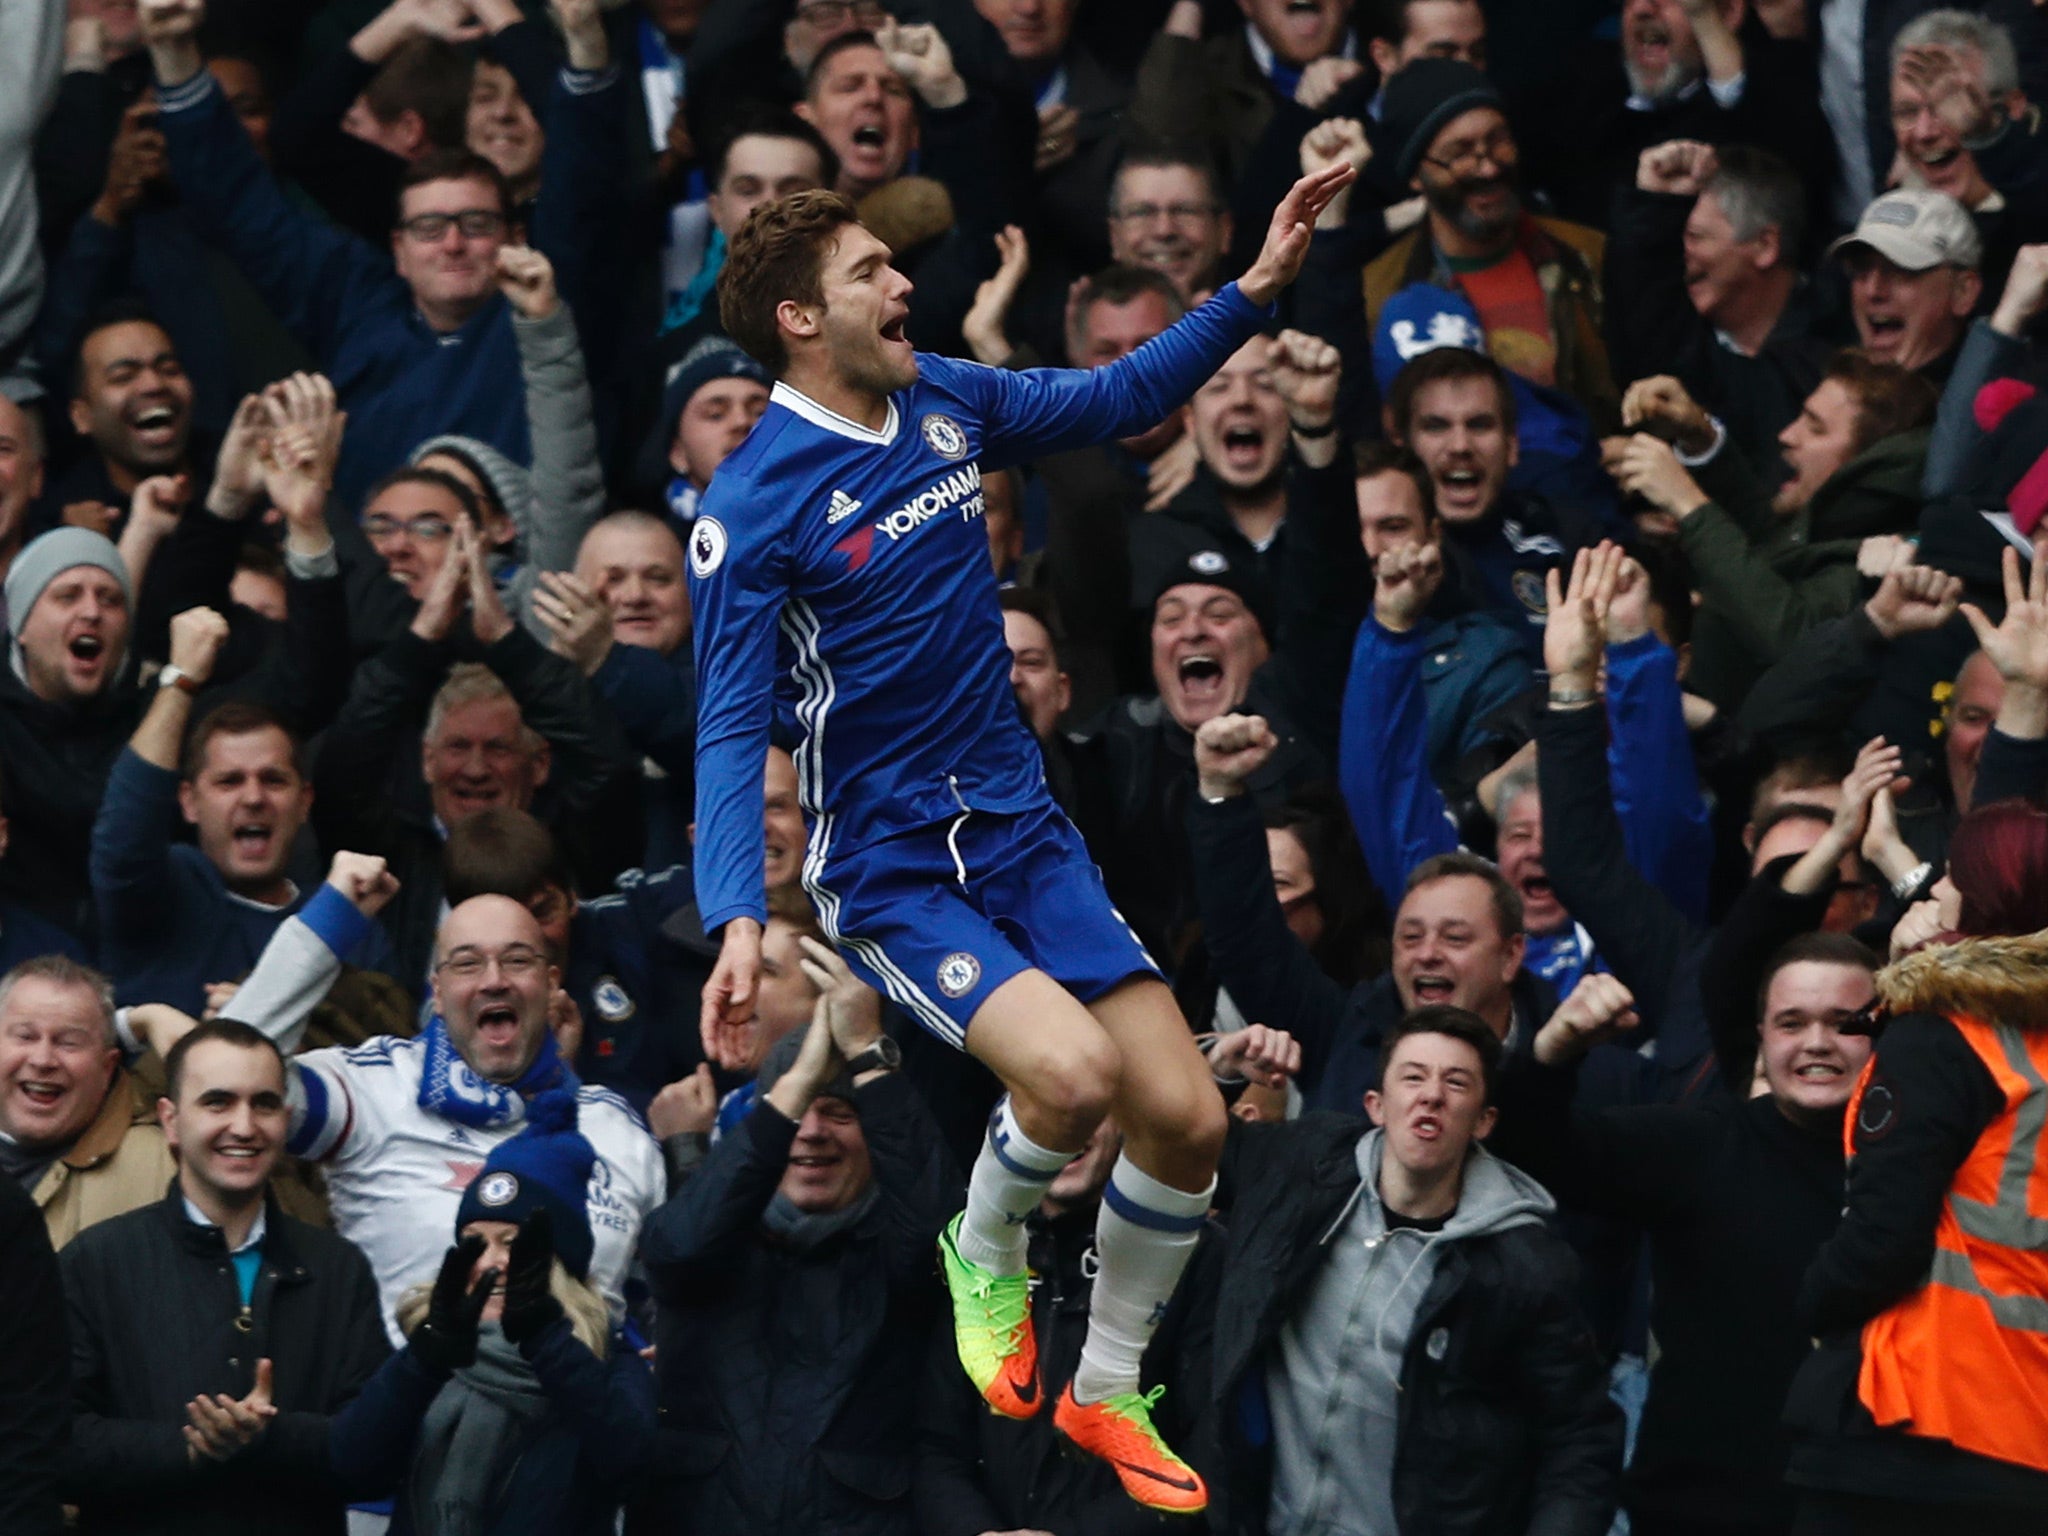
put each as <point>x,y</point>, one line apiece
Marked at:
<point>475,224</point>
<point>381,526</point>
<point>1177,213</point>
<point>1498,147</point>
<point>830,13</point>
<point>515,964</point>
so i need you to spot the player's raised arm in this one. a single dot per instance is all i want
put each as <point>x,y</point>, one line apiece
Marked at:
<point>1047,410</point>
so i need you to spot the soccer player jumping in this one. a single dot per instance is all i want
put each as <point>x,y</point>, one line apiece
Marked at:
<point>840,578</point>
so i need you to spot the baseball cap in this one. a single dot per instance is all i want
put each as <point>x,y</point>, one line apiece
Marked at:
<point>1917,229</point>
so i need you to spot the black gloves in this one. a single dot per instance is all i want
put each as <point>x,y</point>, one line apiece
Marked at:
<point>446,1340</point>
<point>529,1305</point>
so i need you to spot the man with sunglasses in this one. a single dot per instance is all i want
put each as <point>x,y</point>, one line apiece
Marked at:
<point>419,340</point>
<point>1534,281</point>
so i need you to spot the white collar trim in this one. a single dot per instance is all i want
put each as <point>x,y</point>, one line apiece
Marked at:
<point>831,421</point>
<point>257,1228</point>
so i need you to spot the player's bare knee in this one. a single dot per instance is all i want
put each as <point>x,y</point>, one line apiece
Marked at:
<point>1206,1124</point>
<point>1075,1091</point>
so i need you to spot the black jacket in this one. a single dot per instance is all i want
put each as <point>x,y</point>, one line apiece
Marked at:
<point>1649,945</point>
<point>1135,778</point>
<point>1735,1200</point>
<point>1763,918</point>
<point>58,757</point>
<point>156,1319</point>
<point>789,1379</point>
<point>35,1385</point>
<point>1652,327</point>
<point>978,1472</point>
<point>1508,1427</point>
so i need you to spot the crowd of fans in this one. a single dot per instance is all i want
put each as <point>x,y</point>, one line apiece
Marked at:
<point>1567,709</point>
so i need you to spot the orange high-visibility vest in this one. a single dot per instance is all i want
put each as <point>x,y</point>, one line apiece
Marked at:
<point>1965,1357</point>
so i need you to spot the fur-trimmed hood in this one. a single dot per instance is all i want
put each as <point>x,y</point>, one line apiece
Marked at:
<point>2000,981</point>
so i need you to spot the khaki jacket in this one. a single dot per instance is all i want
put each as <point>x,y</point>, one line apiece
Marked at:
<point>121,1163</point>
<point>1568,259</point>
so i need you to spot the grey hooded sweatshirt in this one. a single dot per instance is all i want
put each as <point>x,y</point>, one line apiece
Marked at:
<point>1334,1382</point>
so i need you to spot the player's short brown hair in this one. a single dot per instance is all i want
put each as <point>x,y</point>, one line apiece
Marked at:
<point>778,254</point>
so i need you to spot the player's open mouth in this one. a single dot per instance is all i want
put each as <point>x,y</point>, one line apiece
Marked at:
<point>87,647</point>
<point>42,1095</point>
<point>892,330</point>
<point>1818,1072</point>
<point>1431,988</point>
<point>252,838</point>
<point>869,136</point>
<point>1428,1127</point>
<point>1885,330</point>
<point>1535,888</point>
<point>1940,161</point>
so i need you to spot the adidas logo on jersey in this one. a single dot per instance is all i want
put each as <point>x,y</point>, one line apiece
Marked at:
<point>843,506</point>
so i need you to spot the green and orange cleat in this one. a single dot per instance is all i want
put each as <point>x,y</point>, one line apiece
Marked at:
<point>1119,1430</point>
<point>992,1330</point>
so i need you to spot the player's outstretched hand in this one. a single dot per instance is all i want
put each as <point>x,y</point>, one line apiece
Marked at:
<point>724,1023</point>
<point>1287,237</point>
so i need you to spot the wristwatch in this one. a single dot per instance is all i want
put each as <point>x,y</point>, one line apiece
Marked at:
<point>885,1055</point>
<point>177,677</point>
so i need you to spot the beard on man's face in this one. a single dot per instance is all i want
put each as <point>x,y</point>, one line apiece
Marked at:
<point>1498,204</point>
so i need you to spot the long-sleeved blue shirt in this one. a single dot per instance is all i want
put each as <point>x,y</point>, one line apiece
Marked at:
<point>842,573</point>
<point>168,924</point>
<point>400,380</point>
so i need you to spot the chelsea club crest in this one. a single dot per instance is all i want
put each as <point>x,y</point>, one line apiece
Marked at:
<point>943,435</point>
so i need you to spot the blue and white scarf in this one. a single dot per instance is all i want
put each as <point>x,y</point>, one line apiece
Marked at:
<point>450,1089</point>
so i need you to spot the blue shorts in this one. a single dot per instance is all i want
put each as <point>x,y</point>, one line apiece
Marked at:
<point>938,918</point>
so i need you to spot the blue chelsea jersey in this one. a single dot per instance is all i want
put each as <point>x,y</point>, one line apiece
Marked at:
<point>840,577</point>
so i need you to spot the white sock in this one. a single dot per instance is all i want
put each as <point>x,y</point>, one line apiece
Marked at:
<point>1144,1236</point>
<point>1008,1181</point>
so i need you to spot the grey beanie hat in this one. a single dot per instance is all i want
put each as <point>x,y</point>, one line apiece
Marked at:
<point>50,555</point>
<point>511,484</point>
<point>782,1056</point>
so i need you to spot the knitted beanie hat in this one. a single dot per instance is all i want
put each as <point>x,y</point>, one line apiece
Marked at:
<point>50,555</point>
<point>1421,98</point>
<point>547,1165</point>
